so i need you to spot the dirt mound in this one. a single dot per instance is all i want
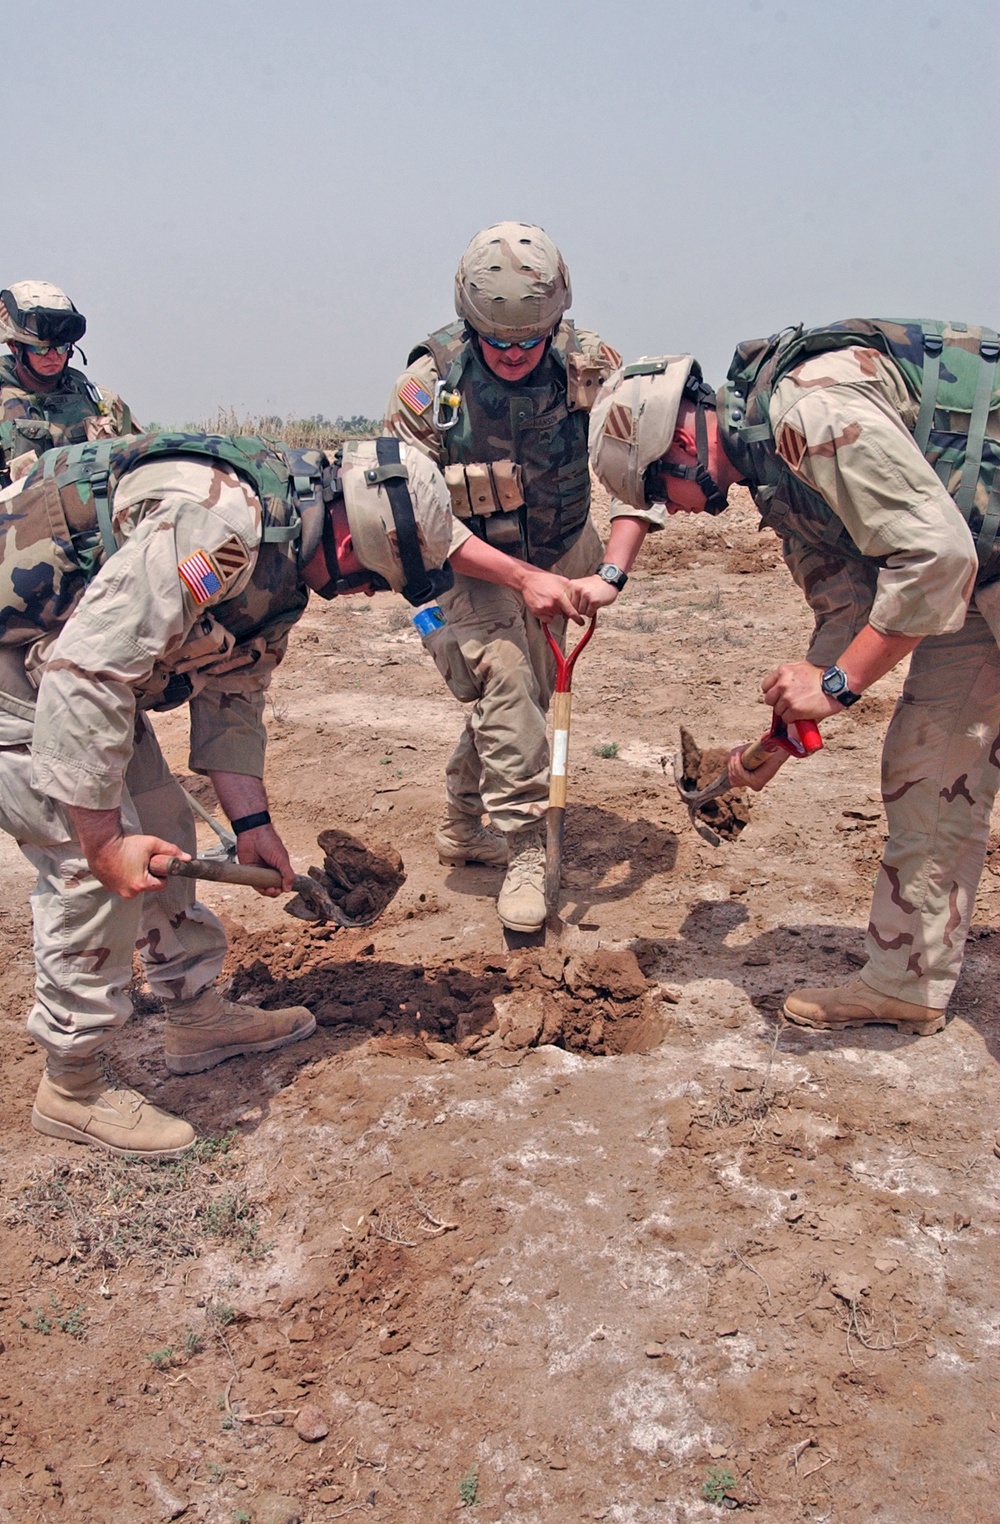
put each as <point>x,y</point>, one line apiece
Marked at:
<point>726,815</point>
<point>360,879</point>
<point>598,1002</point>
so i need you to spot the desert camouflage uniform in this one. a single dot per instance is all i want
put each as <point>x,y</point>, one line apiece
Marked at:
<point>842,423</point>
<point>72,731</point>
<point>73,411</point>
<point>494,653</point>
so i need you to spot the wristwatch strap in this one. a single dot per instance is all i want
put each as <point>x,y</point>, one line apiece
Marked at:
<point>250,822</point>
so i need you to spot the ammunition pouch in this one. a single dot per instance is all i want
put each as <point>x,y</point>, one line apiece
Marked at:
<point>482,488</point>
<point>583,379</point>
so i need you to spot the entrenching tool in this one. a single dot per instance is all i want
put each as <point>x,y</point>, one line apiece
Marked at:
<point>315,904</point>
<point>555,819</point>
<point>800,739</point>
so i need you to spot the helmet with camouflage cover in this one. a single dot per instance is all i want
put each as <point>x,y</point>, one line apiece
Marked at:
<point>399,513</point>
<point>36,312</point>
<point>512,283</point>
<point>633,422</point>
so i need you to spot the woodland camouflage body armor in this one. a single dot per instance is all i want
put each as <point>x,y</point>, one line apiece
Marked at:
<point>952,371</point>
<point>32,422</point>
<point>57,533</point>
<point>539,423</point>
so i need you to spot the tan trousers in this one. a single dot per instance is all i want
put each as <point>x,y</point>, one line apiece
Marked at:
<point>84,936</point>
<point>501,659</point>
<point>940,771</point>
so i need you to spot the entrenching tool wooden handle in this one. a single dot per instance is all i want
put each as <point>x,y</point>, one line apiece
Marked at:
<point>562,704</point>
<point>252,874</point>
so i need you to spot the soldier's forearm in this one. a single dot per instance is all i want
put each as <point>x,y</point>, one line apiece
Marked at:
<point>239,793</point>
<point>871,655</point>
<point>474,558</point>
<point>94,829</point>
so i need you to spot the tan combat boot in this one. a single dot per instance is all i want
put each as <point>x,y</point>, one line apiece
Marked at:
<point>855,1004</point>
<point>84,1102</point>
<point>521,903</point>
<point>464,839</point>
<point>207,1030</point>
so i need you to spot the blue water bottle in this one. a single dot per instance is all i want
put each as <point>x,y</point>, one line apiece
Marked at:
<point>428,619</point>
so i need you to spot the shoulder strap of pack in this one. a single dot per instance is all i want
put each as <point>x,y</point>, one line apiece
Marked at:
<point>91,463</point>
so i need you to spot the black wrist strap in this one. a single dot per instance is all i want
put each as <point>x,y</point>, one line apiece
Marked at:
<point>250,822</point>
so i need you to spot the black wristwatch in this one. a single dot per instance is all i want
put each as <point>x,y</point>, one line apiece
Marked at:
<point>834,685</point>
<point>612,574</point>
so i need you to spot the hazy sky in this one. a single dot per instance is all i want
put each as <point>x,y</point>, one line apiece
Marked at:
<point>262,205</point>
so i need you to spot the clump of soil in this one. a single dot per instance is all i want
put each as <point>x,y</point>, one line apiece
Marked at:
<point>360,879</point>
<point>598,1002</point>
<point>726,815</point>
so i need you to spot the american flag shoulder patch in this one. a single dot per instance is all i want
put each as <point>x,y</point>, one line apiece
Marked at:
<point>416,397</point>
<point>199,576</point>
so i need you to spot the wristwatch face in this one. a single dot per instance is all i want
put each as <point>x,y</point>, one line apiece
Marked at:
<point>612,574</point>
<point>834,682</point>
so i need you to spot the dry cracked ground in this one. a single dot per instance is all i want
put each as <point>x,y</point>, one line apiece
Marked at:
<point>567,1233</point>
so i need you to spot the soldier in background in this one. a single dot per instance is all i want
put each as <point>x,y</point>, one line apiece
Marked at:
<point>44,401</point>
<point>873,448</point>
<point>501,401</point>
<point>145,573</point>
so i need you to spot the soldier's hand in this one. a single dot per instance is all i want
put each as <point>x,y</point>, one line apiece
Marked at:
<point>588,594</point>
<point>794,692</point>
<point>122,864</point>
<point>760,777</point>
<point>546,595</point>
<point>266,847</point>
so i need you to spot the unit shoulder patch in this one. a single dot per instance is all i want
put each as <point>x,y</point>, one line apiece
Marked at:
<point>414,395</point>
<point>200,576</point>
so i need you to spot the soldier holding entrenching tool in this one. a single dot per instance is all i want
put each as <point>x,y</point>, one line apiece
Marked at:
<point>873,448</point>
<point>142,574</point>
<point>501,401</point>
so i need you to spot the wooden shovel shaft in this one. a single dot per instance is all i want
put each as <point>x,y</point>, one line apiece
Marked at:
<point>562,704</point>
<point>253,874</point>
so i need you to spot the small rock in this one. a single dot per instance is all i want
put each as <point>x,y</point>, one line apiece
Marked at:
<point>726,1331</point>
<point>301,1333</point>
<point>718,1451</point>
<point>671,993</point>
<point>557,1462</point>
<point>886,1266</point>
<point>274,1508</point>
<point>170,1505</point>
<point>930,1351</point>
<point>310,1424</point>
<point>597,1336</point>
<point>441,1052</point>
<point>654,1351</point>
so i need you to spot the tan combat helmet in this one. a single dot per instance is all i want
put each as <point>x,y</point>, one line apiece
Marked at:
<point>633,422</point>
<point>36,312</point>
<point>399,512</point>
<point>512,283</point>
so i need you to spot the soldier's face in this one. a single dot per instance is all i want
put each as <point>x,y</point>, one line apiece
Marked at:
<point>512,364</point>
<point>48,364</point>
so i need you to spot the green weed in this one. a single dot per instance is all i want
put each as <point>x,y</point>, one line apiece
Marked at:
<point>468,1489</point>
<point>717,1483</point>
<point>606,749</point>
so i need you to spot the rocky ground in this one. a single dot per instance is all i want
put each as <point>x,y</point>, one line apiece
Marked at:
<point>572,1232</point>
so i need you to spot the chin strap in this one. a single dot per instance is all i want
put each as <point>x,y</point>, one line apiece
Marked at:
<point>701,394</point>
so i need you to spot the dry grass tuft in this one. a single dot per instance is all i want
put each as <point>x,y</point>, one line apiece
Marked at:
<point>316,433</point>
<point>105,1212</point>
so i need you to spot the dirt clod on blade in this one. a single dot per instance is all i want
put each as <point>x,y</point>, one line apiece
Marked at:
<point>360,879</point>
<point>727,815</point>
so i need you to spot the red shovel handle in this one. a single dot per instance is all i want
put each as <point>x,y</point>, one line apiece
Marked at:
<point>565,664</point>
<point>799,739</point>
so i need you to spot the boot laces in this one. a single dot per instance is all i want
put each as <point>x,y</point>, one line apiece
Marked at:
<point>525,865</point>
<point>113,1083</point>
